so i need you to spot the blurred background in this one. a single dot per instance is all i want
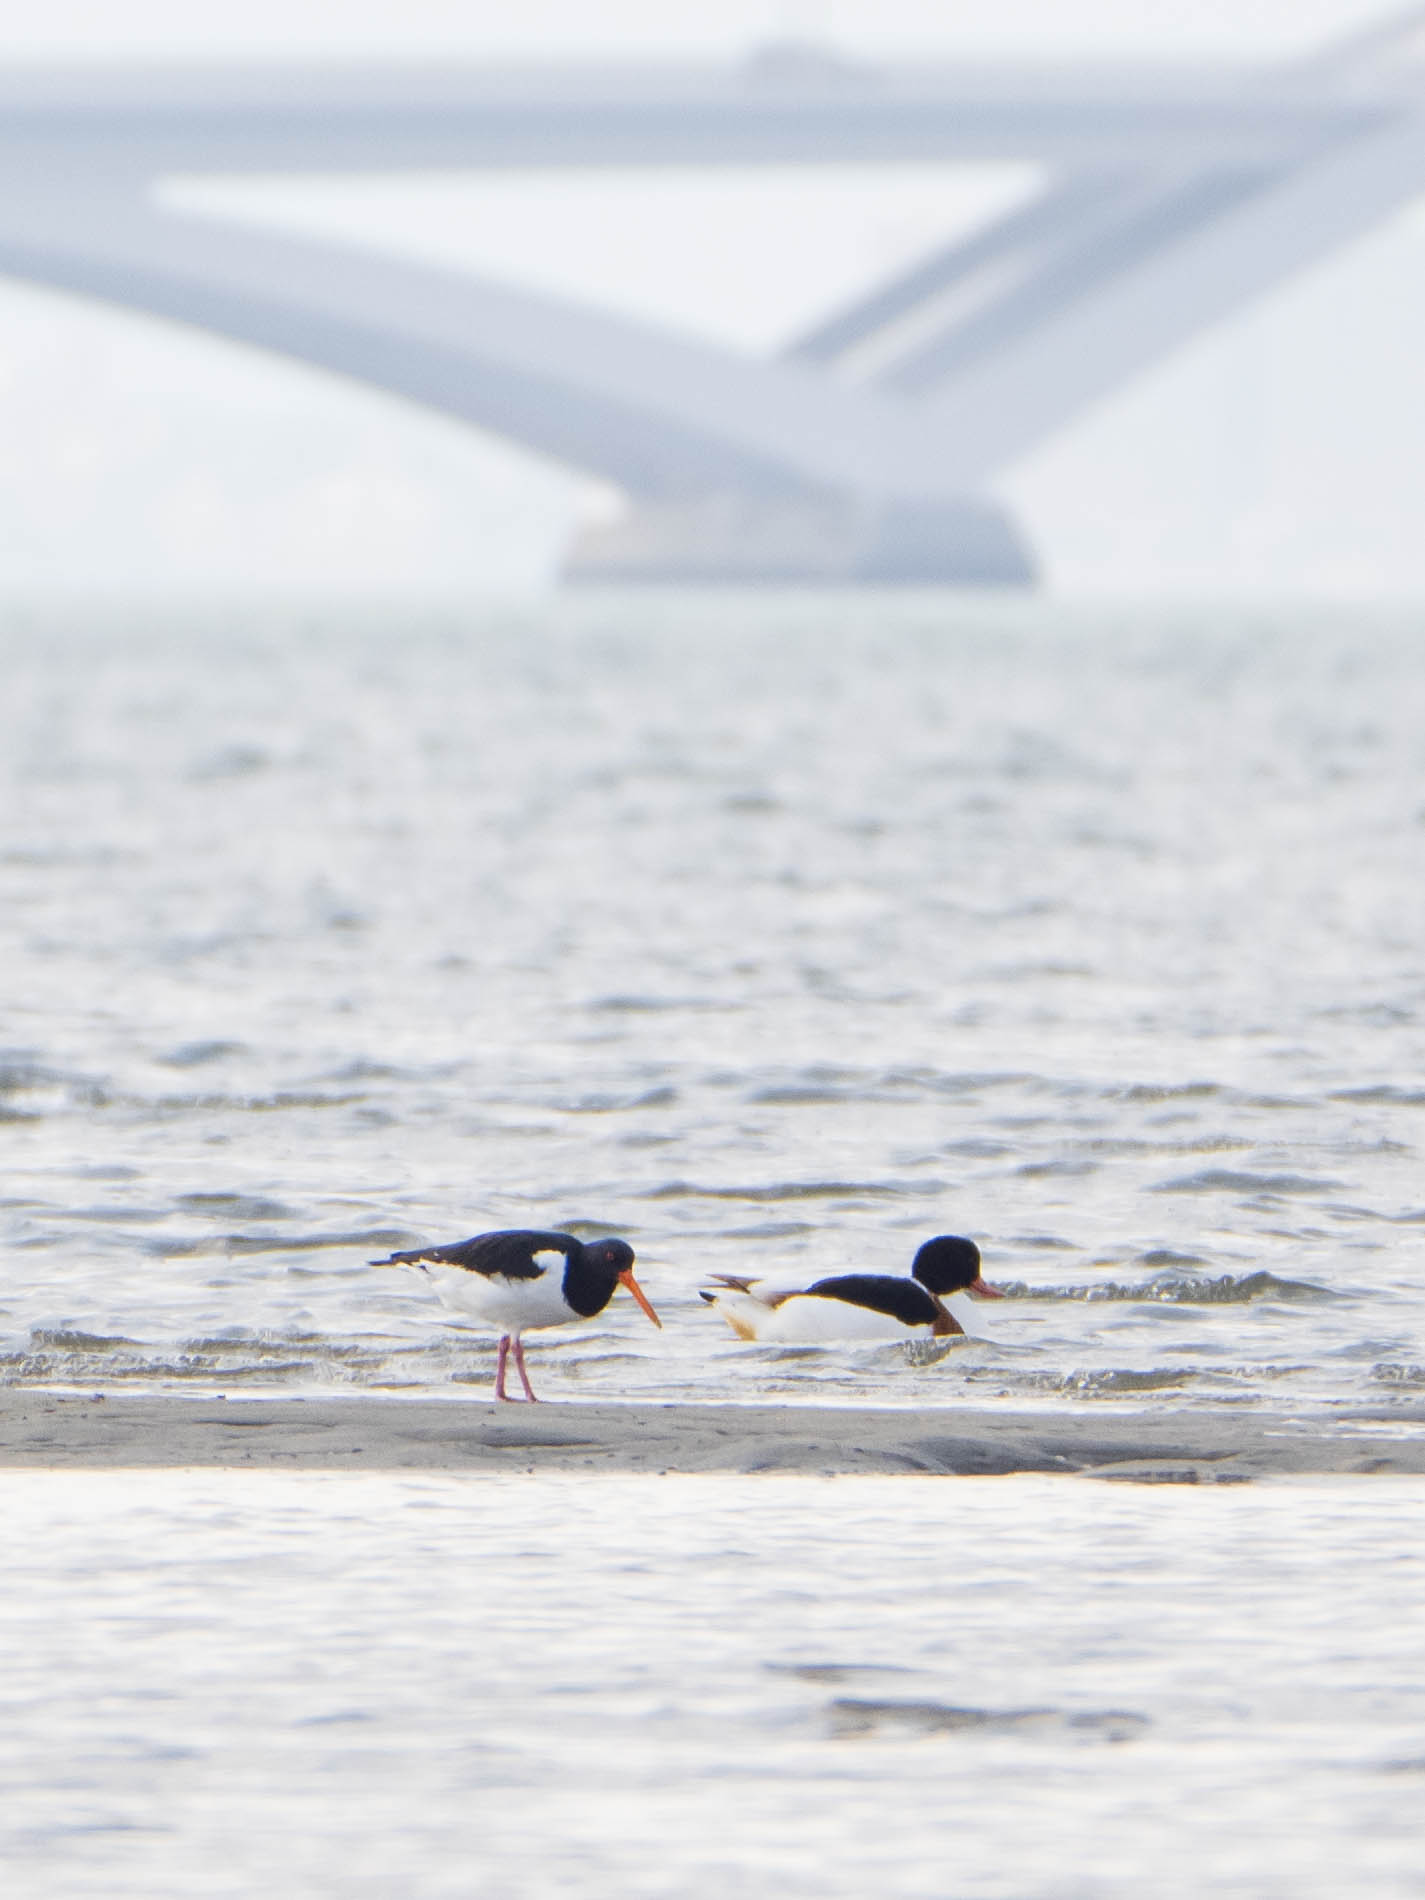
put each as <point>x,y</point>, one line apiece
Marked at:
<point>1276,454</point>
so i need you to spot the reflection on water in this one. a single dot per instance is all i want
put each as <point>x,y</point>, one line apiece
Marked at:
<point>776,936</point>
<point>529,1686</point>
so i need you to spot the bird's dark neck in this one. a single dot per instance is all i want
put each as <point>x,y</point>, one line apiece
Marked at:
<point>588,1285</point>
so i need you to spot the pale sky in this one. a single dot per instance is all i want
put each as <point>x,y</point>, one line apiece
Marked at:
<point>1283,453</point>
<point>1094,29</point>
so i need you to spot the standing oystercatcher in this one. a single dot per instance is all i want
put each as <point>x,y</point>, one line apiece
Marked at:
<point>864,1306</point>
<point>518,1281</point>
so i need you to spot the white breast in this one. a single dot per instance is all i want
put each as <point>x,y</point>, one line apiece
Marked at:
<point>513,1306</point>
<point>971,1314</point>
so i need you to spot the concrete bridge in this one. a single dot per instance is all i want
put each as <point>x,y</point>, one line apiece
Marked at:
<point>866,450</point>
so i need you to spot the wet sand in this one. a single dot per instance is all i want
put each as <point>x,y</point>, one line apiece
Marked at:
<point>40,1429</point>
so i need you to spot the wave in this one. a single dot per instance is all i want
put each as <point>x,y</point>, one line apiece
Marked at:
<point>864,1716</point>
<point>182,1247</point>
<point>796,1191</point>
<point>1239,1181</point>
<point>1172,1289</point>
<point>1394,1373</point>
<point>63,1356</point>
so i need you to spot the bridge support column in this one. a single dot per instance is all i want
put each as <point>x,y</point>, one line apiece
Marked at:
<point>734,540</point>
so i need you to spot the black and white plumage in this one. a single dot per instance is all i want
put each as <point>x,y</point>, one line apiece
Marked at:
<point>519,1281</point>
<point>933,1303</point>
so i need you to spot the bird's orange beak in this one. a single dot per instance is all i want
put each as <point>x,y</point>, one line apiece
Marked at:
<point>626,1279</point>
<point>986,1291</point>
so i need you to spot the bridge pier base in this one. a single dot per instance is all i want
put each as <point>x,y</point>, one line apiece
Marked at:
<point>747,540</point>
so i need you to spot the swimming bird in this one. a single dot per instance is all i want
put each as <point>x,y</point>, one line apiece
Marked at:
<point>931,1304</point>
<point>521,1281</point>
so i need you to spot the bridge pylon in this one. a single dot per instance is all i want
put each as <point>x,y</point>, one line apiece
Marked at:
<point>742,540</point>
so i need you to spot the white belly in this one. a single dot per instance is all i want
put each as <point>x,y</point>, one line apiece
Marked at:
<point>510,1306</point>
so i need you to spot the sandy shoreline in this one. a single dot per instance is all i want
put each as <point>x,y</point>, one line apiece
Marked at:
<point>40,1429</point>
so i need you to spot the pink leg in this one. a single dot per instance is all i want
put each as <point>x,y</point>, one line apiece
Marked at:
<point>500,1357</point>
<point>524,1376</point>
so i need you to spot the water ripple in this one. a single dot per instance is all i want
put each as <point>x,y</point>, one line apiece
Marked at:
<point>796,1191</point>
<point>1226,1289</point>
<point>1234,1181</point>
<point>861,1716</point>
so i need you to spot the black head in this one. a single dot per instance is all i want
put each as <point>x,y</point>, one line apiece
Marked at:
<point>593,1273</point>
<point>947,1264</point>
<point>607,1258</point>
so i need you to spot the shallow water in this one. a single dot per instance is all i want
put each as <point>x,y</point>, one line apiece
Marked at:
<point>774,935</point>
<point>309,1684</point>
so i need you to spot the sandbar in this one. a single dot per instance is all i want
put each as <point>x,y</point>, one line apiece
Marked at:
<point>40,1428</point>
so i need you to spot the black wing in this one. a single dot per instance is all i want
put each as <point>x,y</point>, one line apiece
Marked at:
<point>905,1300</point>
<point>511,1254</point>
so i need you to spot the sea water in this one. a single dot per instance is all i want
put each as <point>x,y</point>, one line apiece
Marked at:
<point>776,937</point>
<point>221,1683</point>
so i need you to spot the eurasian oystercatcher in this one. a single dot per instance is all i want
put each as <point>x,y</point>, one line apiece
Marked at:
<point>519,1281</point>
<point>860,1306</point>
